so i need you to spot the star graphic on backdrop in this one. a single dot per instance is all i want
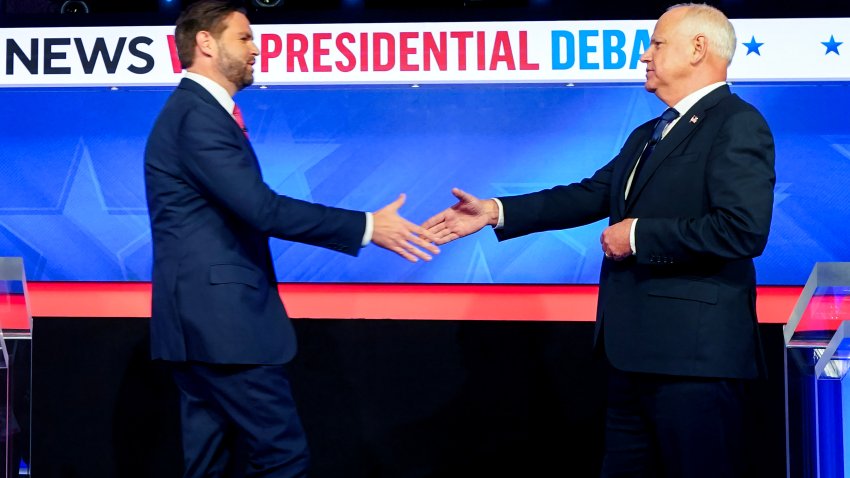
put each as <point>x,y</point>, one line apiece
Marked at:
<point>286,164</point>
<point>285,158</point>
<point>831,45</point>
<point>478,270</point>
<point>570,237</point>
<point>81,239</point>
<point>841,144</point>
<point>780,193</point>
<point>753,46</point>
<point>291,166</point>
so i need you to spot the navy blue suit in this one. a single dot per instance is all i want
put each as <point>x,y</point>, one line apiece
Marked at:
<point>215,299</point>
<point>684,305</point>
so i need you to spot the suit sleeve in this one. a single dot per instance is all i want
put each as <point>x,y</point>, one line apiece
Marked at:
<point>560,207</point>
<point>215,157</point>
<point>739,180</point>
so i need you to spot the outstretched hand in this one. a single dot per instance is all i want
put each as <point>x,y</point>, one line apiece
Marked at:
<point>397,234</point>
<point>469,215</point>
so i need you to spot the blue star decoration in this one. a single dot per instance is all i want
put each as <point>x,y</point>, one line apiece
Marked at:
<point>753,46</point>
<point>80,238</point>
<point>831,45</point>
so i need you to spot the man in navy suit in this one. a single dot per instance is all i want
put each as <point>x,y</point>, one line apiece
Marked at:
<point>676,320</point>
<point>217,316</point>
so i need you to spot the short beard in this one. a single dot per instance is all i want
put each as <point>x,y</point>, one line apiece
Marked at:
<point>234,70</point>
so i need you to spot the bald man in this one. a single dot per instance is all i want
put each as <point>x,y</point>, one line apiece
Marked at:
<point>689,200</point>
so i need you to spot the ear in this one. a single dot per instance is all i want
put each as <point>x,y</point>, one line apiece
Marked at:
<point>700,48</point>
<point>205,43</point>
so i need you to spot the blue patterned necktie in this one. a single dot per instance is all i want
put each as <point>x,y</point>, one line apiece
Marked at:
<point>669,115</point>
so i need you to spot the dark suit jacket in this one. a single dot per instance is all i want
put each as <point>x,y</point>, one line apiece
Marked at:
<point>685,303</point>
<point>215,298</point>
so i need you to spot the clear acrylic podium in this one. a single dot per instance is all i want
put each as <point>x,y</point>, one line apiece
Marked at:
<point>817,358</point>
<point>15,368</point>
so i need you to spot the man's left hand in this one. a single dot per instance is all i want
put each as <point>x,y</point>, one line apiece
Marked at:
<point>615,240</point>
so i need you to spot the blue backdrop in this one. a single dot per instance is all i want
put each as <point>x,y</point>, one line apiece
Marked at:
<point>72,193</point>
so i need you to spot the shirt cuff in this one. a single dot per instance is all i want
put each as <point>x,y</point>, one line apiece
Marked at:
<point>367,234</point>
<point>501,222</point>
<point>632,237</point>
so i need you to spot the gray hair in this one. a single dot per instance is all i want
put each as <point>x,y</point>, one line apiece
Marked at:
<point>711,22</point>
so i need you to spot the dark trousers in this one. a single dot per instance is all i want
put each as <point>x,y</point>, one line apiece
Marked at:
<point>239,421</point>
<point>670,427</point>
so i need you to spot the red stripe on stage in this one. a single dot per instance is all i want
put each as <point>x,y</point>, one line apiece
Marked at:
<point>378,301</point>
<point>13,312</point>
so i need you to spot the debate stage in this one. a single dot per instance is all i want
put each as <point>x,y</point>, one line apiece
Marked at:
<point>516,395</point>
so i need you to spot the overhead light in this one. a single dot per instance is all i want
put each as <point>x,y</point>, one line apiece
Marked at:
<point>74,7</point>
<point>268,3</point>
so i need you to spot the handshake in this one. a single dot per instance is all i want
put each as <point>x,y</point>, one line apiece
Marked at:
<point>470,214</point>
<point>395,233</point>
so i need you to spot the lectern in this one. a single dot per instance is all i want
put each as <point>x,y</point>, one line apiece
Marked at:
<point>817,358</point>
<point>15,367</point>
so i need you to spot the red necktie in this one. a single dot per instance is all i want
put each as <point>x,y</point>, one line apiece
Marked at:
<point>237,115</point>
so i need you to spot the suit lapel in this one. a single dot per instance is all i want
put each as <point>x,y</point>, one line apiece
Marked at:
<point>621,175</point>
<point>205,96</point>
<point>687,124</point>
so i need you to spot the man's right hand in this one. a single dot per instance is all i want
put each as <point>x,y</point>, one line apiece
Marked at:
<point>469,215</point>
<point>397,234</point>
